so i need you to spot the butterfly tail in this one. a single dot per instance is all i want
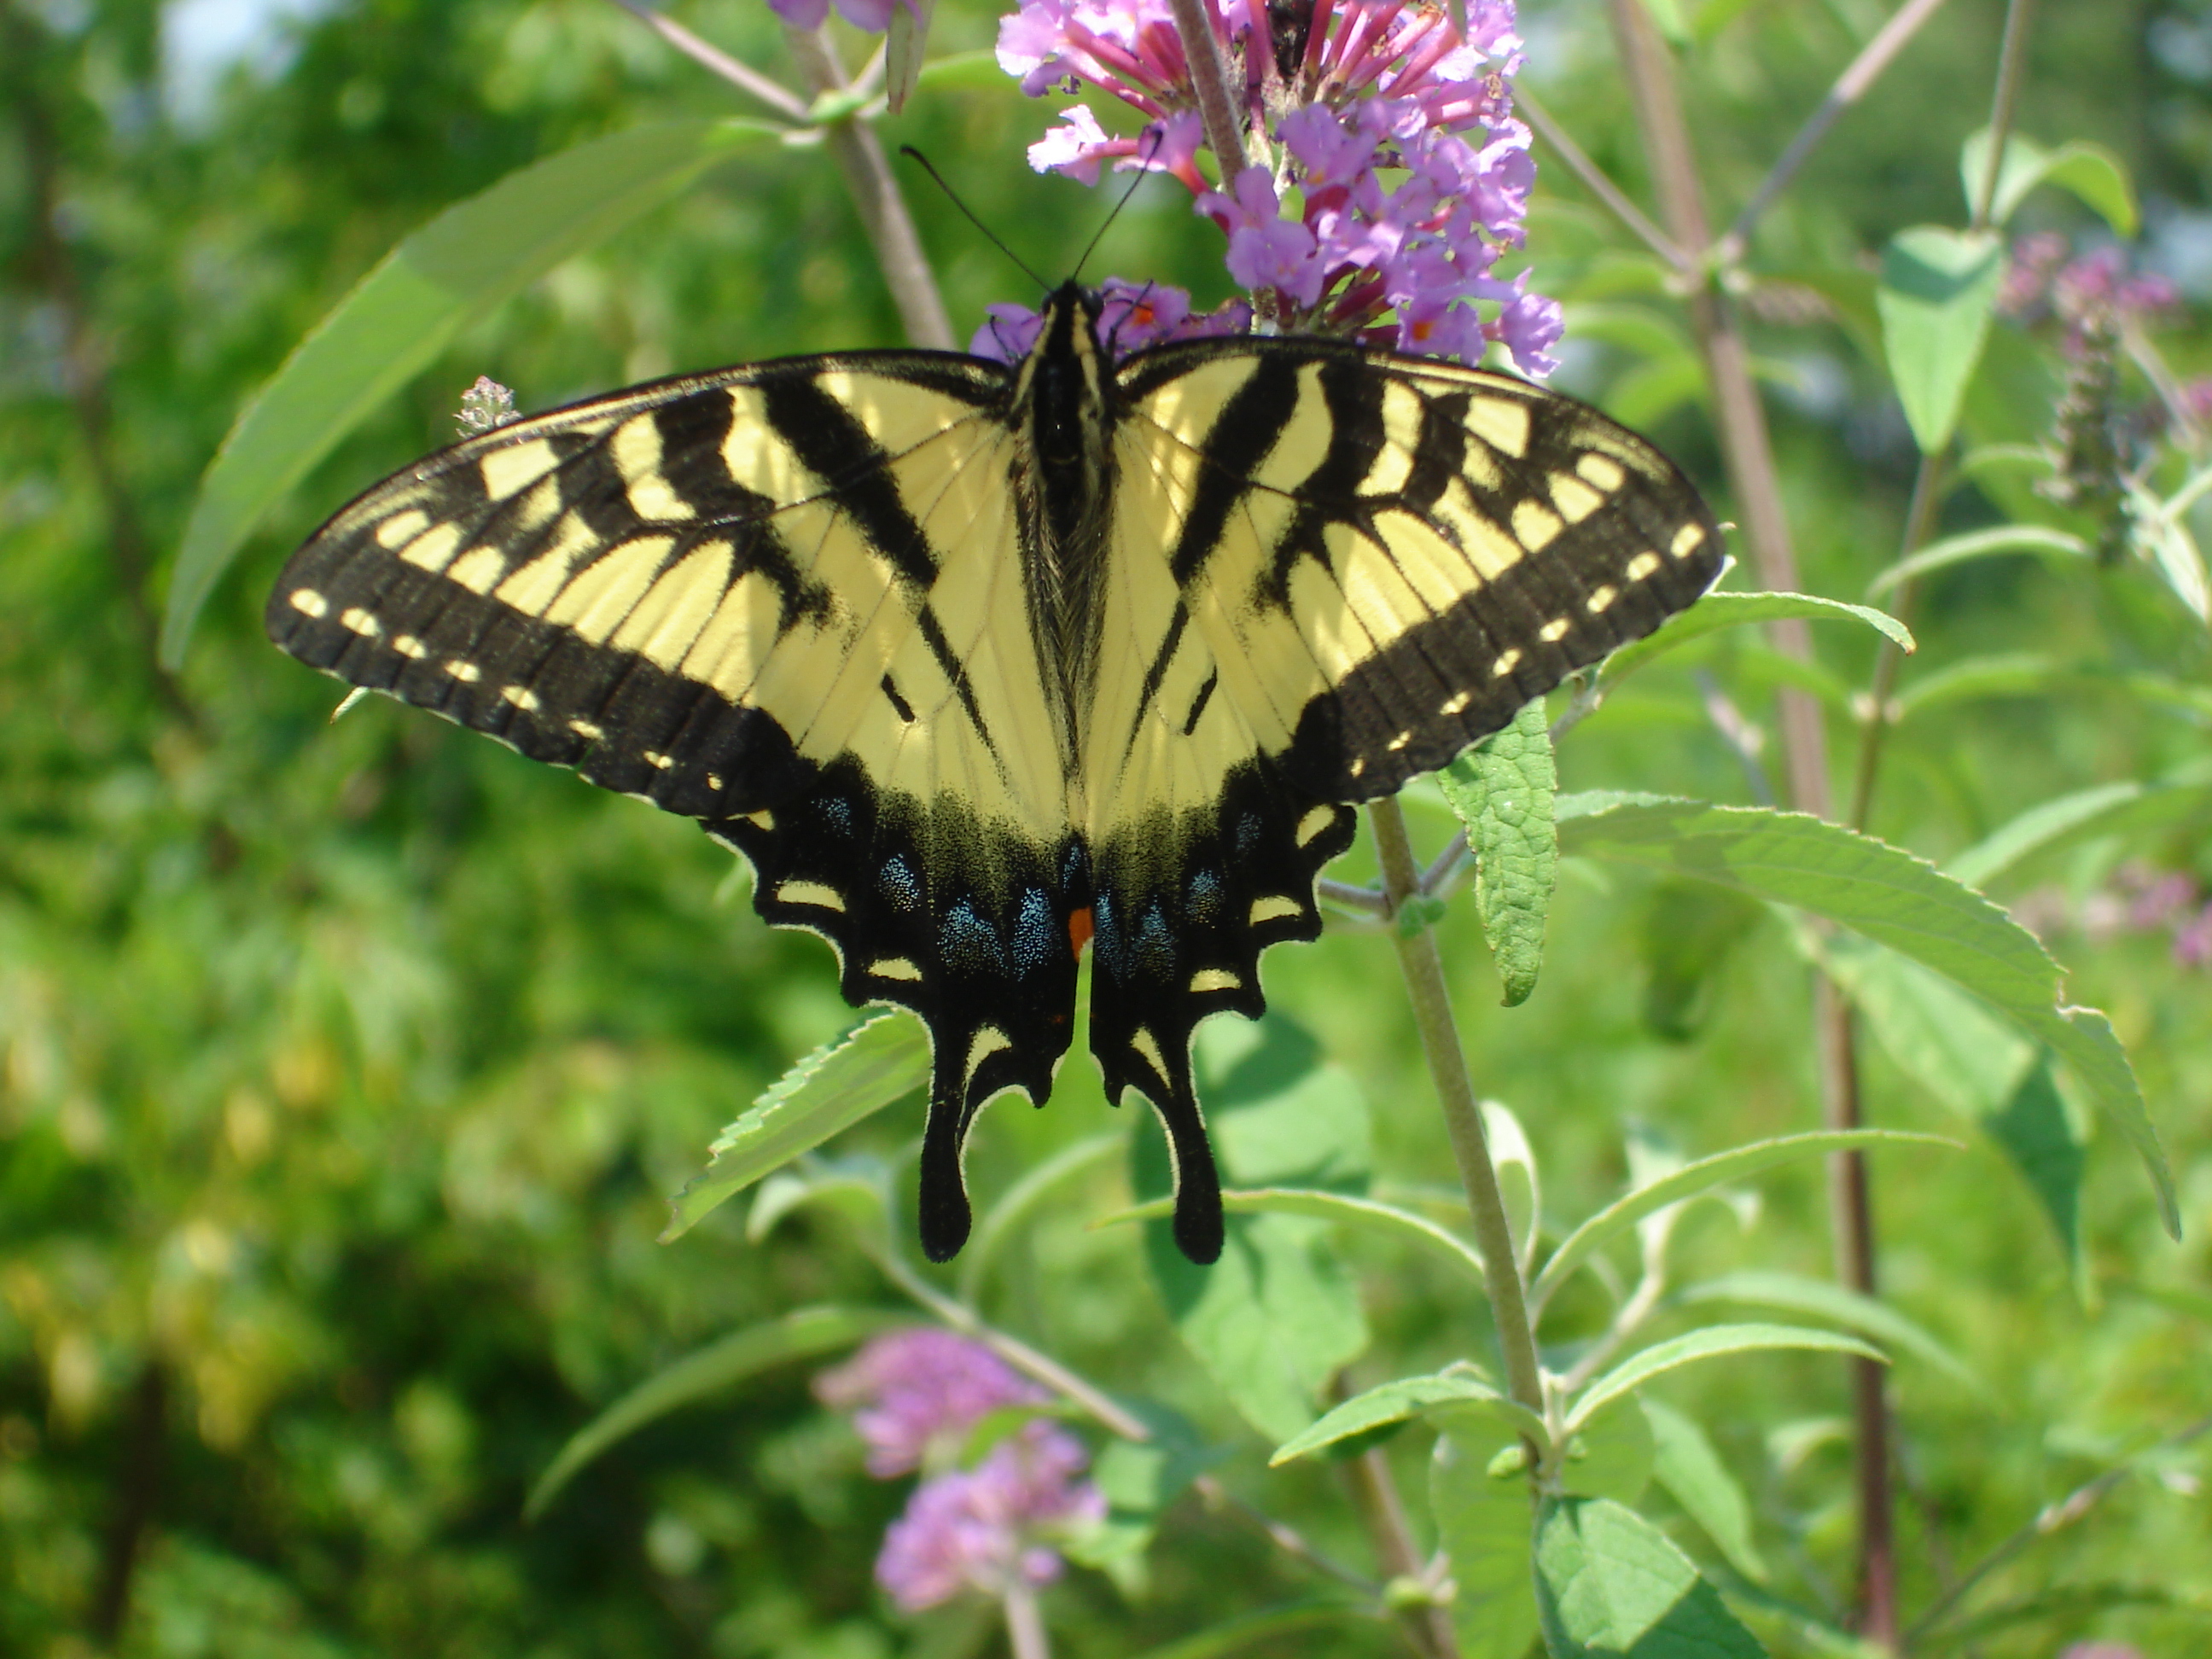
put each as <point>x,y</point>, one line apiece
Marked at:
<point>944,1212</point>
<point>1197,1223</point>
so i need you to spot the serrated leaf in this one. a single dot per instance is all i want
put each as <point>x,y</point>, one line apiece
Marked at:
<point>1718,611</point>
<point>1486,1525</point>
<point>881,1061</point>
<point>1401,1401</point>
<point>1982,544</point>
<point>1608,1582</point>
<point>1695,1178</point>
<point>1502,792</point>
<point>2093,174</point>
<point>805,1334</point>
<point>1689,1467</point>
<point>1825,1299</point>
<point>1276,1317</point>
<point>1894,899</point>
<point>1939,287</point>
<point>1713,1342</point>
<point>399,317</point>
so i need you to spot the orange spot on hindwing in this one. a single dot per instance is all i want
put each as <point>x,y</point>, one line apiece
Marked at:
<point>1078,929</point>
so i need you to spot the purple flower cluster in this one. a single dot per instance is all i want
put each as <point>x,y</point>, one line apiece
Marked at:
<point>873,15</point>
<point>915,1395</point>
<point>986,1529</point>
<point>1360,89</point>
<point>2136,899</point>
<point>2093,294</point>
<point>918,1392</point>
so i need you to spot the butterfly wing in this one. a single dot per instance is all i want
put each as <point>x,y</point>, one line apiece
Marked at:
<point>1331,570</point>
<point>784,600</point>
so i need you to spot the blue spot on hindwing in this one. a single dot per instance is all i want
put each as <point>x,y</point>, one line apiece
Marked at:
<point>1205,903</point>
<point>1156,943</point>
<point>1247,835</point>
<point>836,813</point>
<point>1036,941</point>
<point>1106,941</point>
<point>968,944</point>
<point>897,884</point>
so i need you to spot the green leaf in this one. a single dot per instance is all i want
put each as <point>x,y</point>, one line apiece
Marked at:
<point>2038,1134</point>
<point>1893,898</point>
<point>1486,1524</point>
<point>1971,544</point>
<point>1713,1342</point>
<point>1278,1315</point>
<point>855,1185</point>
<point>2092,173</point>
<point>1690,929</point>
<point>1978,1067</point>
<point>1021,1200</point>
<point>394,324</point>
<point>1139,1480</point>
<point>1502,791</point>
<point>884,1059</point>
<point>1825,1299</point>
<point>1324,1206</point>
<point>1608,1582</point>
<point>2025,674</point>
<point>2106,810</point>
<point>1938,290</point>
<point>1514,1160</point>
<point>1401,1401</point>
<point>1667,16</point>
<point>1695,1178</point>
<point>1610,1456</point>
<point>742,1355</point>
<point>1718,611</point>
<point>1691,1470</point>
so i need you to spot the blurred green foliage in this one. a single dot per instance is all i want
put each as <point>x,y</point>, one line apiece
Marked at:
<point>344,1070</point>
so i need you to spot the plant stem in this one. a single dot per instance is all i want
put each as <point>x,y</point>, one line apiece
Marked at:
<point>1424,968</point>
<point>1374,1490</point>
<point>860,156</point>
<point>1741,421</point>
<point>715,61</point>
<point>1851,85</point>
<point>1595,180</point>
<point>1025,1634</point>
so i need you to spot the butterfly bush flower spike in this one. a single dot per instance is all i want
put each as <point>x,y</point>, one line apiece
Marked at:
<point>1359,90</point>
<point>915,1394</point>
<point>991,1529</point>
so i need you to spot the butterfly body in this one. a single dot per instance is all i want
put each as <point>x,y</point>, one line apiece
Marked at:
<point>979,666</point>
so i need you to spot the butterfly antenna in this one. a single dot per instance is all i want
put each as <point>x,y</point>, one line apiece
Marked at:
<point>1155,135</point>
<point>989,235</point>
